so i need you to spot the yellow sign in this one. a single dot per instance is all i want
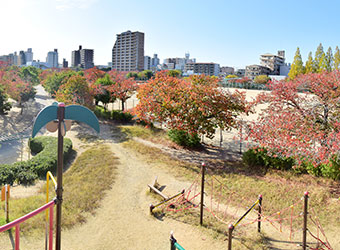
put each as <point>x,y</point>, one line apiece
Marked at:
<point>3,192</point>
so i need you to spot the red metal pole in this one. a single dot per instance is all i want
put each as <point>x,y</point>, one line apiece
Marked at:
<point>17,236</point>
<point>50,241</point>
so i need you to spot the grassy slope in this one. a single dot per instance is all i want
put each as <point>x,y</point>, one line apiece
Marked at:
<point>84,186</point>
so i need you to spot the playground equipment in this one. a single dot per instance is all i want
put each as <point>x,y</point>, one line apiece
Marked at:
<point>55,117</point>
<point>173,243</point>
<point>166,199</point>
<point>48,177</point>
<point>238,213</point>
<point>16,223</point>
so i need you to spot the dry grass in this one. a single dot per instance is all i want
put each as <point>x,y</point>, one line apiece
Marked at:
<point>85,184</point>
<point>155,135</point>
<point>279,189</point>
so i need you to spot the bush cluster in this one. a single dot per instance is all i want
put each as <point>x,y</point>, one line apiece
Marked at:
<point>183,138</point>
<point>46,157</point>
<point>260,158</point>
<point>116,115</point>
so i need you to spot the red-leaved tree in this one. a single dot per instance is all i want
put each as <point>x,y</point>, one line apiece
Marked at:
<point>75,91</point>
<point>122,88</point>
<point>302,119</point>
<point>195,104</point>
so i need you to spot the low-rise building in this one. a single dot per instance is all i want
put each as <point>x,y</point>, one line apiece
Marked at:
<point>240,72</point>
<point>225,70</point>
<point>255,70</point>
<point>211,69</point>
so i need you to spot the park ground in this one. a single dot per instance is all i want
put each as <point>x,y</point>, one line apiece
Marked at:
<point>123,221</point>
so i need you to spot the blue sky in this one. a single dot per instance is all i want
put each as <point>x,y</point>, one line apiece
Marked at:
<point>231,33</point>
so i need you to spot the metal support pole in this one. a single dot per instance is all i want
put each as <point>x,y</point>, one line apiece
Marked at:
<point>172,241</point>
<point>230,236</point>
<point>202,194</point>
<point>61,115</point>
<point>305,214</point>
<point>259,215</point>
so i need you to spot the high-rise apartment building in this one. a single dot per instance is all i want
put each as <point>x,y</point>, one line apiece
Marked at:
<point>65,63</point>
<point>82,58</point>
<point>147,62</point>
<point>52,59</point>
<point>21,58</point>
<point>29,55</point>
<point>154,62</point>
<point>128,52</point>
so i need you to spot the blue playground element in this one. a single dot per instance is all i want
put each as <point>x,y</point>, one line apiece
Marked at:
<point>73,112</point>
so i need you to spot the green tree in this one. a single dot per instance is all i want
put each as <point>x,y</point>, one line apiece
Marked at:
<point>75,91</point>
<point>231,76</point>
<point>148,74</point>
<point>318,56</point>
<point>297,65</point>
<point>262,79</point>
<point>4,104</point>
<point>329,60</point>
<point>132,74</point>
<point>30,74</point>
<point>310,65</point>
<point>56,79</point>
<point>174,73</point>
<point>322,64</point>
<point>336,64</point>
<point>103,95</point>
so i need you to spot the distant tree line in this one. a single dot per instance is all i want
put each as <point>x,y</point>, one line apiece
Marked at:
<point>322,61</point>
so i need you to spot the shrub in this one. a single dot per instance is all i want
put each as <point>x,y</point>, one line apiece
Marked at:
<point>260,158</point>
<point>120,116</point>
<point>46,158</point>
<point>102,112</point>
<point>183,138</point>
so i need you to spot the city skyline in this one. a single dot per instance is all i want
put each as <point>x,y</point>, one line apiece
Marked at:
<point>226,32</point>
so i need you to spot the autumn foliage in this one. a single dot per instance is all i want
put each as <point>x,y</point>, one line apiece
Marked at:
<point>195,104</point>
<point>302,120</point>
<point>75,91</point>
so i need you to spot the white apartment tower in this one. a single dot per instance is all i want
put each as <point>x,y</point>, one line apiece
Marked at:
<point>128,52</point>
<point>52,59</point>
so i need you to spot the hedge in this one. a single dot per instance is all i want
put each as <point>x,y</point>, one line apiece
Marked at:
<point>260,158</point>
<point>46,158</point>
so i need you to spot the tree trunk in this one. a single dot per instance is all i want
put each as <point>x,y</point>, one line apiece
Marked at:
<point>123,105</point>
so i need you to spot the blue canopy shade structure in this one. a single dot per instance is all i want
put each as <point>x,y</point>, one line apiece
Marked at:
<point>73,112</point>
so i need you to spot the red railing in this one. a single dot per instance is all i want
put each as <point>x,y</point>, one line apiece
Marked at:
<point>16,223</point>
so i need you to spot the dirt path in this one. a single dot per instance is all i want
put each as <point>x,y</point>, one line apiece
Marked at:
<point>124,222</point>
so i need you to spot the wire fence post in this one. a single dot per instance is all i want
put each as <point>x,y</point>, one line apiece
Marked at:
<point>230,235</point>
<point>305,213</point>
<point>260,213</point>
<point>202,193</point>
